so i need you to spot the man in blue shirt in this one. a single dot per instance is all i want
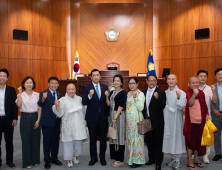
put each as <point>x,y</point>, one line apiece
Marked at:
<point>216,110</point>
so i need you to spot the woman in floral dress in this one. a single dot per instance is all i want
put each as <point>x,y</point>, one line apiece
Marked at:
<point>135,141</point>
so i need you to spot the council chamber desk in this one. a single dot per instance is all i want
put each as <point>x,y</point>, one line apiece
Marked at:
<point>107,78</point>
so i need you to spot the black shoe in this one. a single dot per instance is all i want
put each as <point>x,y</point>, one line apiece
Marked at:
<point>0,165</point>
<point>150,162</point>
<point>103,162</point>
<point>47,165</point>
<point>92,162</point>
<point>57,162</point>
<point>216,157</point>
<point>135,165</point>
<point>11,165</point>
<point>158,167</point>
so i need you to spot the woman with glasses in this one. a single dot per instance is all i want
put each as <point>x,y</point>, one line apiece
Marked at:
<point>117,102</point>
<point>135,141</point>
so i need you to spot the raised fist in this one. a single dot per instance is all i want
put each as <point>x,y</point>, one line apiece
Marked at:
<point>44,95</point>
<point>195,92</point>
<point>134,94</point>
<point>91,92</point>
<point>106,93</point>
<point>213,88</point>
<point>20,89</point>
<point>178,93</point>
<point>156,95</point>
<point>57,102</point>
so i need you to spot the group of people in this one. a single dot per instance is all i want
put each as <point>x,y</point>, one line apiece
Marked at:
<point>99,108</point>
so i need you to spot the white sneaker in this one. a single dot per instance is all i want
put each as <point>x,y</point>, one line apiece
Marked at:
<point>176,166</point>
<point>171,163</point>
<point>75,160</point>
<point>69,163</point>
<point>206,160</point>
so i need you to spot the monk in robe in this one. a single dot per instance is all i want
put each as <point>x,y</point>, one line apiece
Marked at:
<point>173,139</point>
<point>73,131</point>
<point>195,117</point>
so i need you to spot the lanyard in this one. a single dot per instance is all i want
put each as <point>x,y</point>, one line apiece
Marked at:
<point>203,88</point>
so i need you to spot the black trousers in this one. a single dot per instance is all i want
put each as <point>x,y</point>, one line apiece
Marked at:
<point>117,155</point>
<point>30,139</point>
<point>101,127</point>
<point>8,135</point>
<point>154,142</point>
<point>51,141</point>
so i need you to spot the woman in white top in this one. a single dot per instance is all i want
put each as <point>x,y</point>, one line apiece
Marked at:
<point>29,123</point>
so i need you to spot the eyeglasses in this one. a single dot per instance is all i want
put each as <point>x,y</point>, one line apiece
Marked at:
<point>151,81</point>
<point>131,84</point>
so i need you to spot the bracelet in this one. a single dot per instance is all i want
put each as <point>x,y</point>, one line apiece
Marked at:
<point>114,119</point>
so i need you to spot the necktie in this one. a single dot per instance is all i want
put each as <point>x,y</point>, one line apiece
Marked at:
<point>97,91</point>
<point>53,96</point>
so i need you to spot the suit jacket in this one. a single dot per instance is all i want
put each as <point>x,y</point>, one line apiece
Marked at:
<point>96,108</point>
<point>155,108</point>
<point>48,117</point>
<point>214,106</point>
<point>11,109</point>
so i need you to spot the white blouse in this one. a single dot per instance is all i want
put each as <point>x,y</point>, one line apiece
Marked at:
<point>29,104</point>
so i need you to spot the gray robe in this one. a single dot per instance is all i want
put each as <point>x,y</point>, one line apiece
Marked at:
<point>173,139</point>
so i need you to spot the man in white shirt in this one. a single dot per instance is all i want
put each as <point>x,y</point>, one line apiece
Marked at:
<point>210,95</point>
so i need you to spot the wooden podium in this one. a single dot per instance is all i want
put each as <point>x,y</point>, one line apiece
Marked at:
<point>107,79</point>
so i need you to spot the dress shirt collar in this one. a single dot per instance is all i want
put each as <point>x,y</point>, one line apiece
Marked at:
<point>52,91</point>
<point>96,84</point>
<point>3,88</point>
<point>153,89</point>
<point>219,85</point>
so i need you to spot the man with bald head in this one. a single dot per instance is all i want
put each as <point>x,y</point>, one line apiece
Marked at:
<point>195,117</point>
<point>72,112</point>
<point>173,139</point>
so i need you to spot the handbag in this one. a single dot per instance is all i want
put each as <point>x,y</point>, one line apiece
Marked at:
<point>144,126</point>
<point>113,134</point>
<point>208,136</point>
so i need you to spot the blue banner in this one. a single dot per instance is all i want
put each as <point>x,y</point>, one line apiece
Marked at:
<point>150,64</point>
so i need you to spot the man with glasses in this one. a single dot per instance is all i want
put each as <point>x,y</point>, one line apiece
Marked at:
<point>153,109</point>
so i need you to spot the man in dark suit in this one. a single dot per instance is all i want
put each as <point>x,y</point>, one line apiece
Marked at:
<point>8,116</point>
<point>96,116</point>
<point>153,109</point>
<point>216,113</point>
<point>50,123</point>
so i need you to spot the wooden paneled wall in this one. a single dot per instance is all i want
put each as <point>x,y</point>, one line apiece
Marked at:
<point>57,27</point>
<point>47,52</point>
<point>132,18</point>
<point>174,41</point>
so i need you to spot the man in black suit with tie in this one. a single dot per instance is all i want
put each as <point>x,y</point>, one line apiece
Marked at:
<point>50,123</point>
<point>96,116</point>
<point>153,109</point>
<point>8,116</point>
